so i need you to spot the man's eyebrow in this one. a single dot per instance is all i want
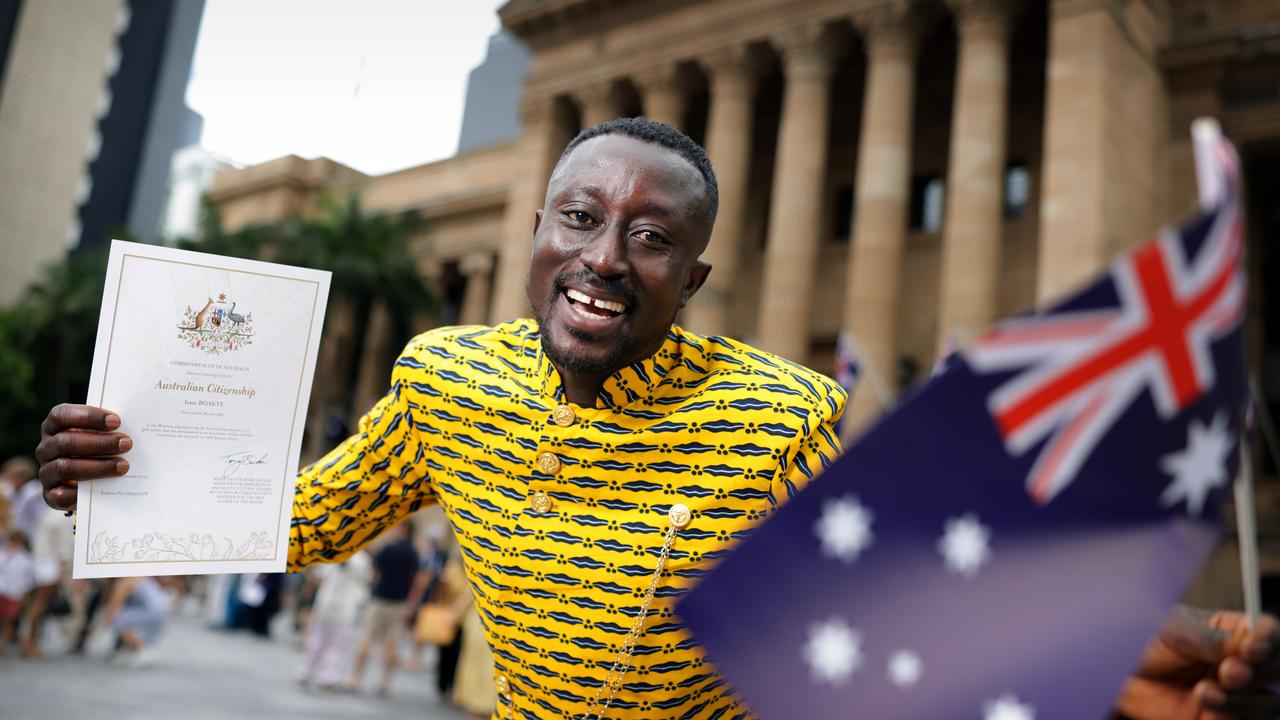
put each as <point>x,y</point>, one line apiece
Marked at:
<point>651,207</point>
<point>656,208</point>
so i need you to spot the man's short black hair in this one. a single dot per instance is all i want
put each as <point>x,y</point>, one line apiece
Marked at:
<point>658,134</point>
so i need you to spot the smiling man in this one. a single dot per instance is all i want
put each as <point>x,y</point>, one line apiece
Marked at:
<point>594,462</point>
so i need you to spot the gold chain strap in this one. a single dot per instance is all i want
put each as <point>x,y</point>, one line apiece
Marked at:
<point>622,663</point>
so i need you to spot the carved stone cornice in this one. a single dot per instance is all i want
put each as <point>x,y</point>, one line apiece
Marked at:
<point>476,264</point>
<point>598,98</point>
<point>984,18</point>
<point>733,59</point>
<point>891,26</point>
<point>666,77</point>
<point>807,50</point>
<point>531,19</point>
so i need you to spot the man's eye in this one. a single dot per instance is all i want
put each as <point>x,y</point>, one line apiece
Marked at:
<point>579,217</point>
<point>651,236</point>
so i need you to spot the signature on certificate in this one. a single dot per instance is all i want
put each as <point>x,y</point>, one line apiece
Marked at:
<point>237,460</point>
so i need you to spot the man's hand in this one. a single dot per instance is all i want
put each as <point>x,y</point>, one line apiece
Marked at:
<point>1206,665</point>
<point>79,442</point>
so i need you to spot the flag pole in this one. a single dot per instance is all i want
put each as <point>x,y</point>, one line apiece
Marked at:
<point>1247,533</point>
<point>1205,136</point>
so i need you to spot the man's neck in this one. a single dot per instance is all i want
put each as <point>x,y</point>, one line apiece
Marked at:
<point>582,390</point>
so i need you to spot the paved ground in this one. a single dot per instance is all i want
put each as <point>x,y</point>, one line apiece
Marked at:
<point>198,674</point>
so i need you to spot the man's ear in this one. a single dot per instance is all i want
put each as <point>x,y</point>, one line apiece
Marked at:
<point>697,275</point>
<point>537,220</point>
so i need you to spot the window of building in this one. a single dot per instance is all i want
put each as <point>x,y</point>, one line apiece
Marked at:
<point>928,194</point>
<point>1017,190</point>
<point>844,214</point>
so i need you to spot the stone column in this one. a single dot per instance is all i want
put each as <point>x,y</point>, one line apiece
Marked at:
<point>973,231</point>
<point>795,220</point>
<point>545,133</point>
<point>882,191</point>
<point>373,378</point>
<point>662,91</point>
<point>599,103</point>
<point>478,269</point>
<point>1105,119</point>
<point>330,375</point>
<point>733,87</point>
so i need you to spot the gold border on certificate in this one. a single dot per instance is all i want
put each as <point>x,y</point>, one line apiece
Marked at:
<point>289,473</point>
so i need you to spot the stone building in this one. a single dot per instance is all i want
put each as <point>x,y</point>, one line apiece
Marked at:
<point>907,170</point>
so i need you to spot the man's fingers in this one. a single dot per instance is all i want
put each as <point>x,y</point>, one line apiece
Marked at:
<point>1234,674</point>
<point>1258,705</point>
<point>82,444</point>
<point>1196,634</point>
<point>63,470</point>
<point>62,497</point>
<point>86,417</point>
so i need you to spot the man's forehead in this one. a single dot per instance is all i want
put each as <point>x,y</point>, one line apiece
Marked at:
<point>612,156</point>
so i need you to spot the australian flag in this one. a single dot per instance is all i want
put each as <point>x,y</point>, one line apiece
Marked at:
<point>1004,543</point>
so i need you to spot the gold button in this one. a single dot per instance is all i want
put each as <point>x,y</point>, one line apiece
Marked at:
<point>563,416</point>
<point>548,463</point>
<point>540,502</point>
<point>680,515</point>
<point>503,684</point>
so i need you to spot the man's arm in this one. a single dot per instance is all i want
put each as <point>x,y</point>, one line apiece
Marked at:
<point>812,450</point>
<point>368,484</point>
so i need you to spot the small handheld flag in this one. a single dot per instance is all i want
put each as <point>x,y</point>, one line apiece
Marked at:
<point>1003,544</point>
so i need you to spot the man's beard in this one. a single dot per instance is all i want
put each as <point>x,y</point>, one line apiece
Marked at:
<point>622,353</point>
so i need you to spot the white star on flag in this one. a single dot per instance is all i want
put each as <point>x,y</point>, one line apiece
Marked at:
<point>1201,467</point>
<point>905,668</point>
<point>833,651</point>
<point>844,528</point>
<point>966,545</point>
<point>1007,707</point>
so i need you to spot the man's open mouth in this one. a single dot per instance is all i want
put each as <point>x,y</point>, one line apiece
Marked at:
<point>594,306</point>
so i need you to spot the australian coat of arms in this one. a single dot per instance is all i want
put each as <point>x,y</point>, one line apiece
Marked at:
<point>216,328</point>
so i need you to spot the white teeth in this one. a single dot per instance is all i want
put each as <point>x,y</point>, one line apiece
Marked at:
<point>614,306</point>
<point>588,300</point>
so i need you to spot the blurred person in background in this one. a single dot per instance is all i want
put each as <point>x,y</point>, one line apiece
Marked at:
<point>17,577</point>
<point>430,568</point>
<point>52,545</point>
<point>22,491</point>
<point>14,474</point>
<point>136,611</point>
<point>259,595</point>
<point>341,591</point>
<point>473,688</point>
<point>395,566</point>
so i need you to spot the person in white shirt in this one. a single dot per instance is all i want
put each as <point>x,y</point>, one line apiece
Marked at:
<point>17,577</point>
<point>342,592</point>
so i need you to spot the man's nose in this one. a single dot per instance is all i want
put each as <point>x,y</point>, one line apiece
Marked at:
<point>606,253</point>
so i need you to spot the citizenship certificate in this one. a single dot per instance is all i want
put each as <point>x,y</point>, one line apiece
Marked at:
<point>208,362</point>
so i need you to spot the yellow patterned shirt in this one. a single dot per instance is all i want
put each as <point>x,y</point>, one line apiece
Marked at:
<point>561,511</point>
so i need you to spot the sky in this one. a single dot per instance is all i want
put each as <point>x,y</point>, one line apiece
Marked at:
<point>375,84</point>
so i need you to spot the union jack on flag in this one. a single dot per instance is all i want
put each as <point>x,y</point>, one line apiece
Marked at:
<point>1079,367</point>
